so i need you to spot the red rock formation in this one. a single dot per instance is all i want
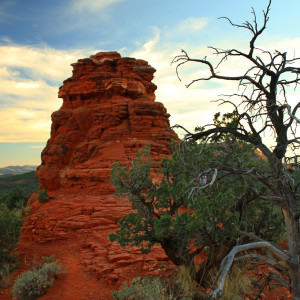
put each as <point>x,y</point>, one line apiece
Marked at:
<point>108,112</point>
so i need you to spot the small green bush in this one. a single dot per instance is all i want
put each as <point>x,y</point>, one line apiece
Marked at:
<point>48,259</point>
<point>6,268</point>
<point>43,196</point>
<point>34,283</point>
<point>148,288</point>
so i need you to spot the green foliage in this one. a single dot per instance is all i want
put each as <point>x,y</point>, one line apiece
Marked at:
<point>48,259</point>
<point>227,119</point>
<point>34,283</point>
<point>148,288</point>
<point>43,196</point>
<point>294,178</point>
<point>14,191</point>
<point>10,230</point>
<point>14,198</point>
<point>178,212</point>
<point>11,220</point>
<point>7,267</point>
<point>184,282</point>
<point>141,288</point>
<point>27,182</point>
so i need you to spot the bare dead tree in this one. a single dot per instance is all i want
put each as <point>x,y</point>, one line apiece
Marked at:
<point>261,108</point>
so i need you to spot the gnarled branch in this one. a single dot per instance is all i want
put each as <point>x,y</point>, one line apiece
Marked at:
<point>231,257</point>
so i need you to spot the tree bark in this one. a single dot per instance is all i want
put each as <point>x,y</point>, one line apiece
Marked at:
<point>212,263</point>
<point>293,233</point>
<point>289,207</point>
<point>180,257</point>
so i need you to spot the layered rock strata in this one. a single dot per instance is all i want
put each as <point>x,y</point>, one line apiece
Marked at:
<point>108,112</point>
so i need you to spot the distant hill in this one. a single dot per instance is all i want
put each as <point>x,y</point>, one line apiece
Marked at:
<point>16,170</point>
<point>27,181</point>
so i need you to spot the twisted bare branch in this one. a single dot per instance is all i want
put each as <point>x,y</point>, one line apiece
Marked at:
<point>231,257</point>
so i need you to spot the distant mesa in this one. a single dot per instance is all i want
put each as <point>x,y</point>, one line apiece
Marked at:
<point>108,112</point>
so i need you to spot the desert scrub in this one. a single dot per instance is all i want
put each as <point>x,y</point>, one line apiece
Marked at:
<point>183,283</point>
<point>148,288</point>
<point>43,196</point>
<point>6,268</point>
<point>11,222</point>
<point>237,285</point>
<point>34,283</point>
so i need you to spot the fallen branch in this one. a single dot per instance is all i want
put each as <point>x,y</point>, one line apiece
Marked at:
<point>231,257</point>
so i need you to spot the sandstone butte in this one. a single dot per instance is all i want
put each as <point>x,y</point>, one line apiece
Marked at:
<point>108,112</point>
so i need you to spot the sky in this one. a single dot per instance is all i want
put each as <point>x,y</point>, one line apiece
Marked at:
<point>40,39</point>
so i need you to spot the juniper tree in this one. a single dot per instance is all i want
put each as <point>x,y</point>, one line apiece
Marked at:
<point>171,208</point>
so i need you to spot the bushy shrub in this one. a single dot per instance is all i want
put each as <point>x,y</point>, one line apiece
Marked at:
<point>34,283</point>
<point>141,288</point>
<point>149,288</point>
<point>14,198</point>
<point>10,230</point>
<point>43,196</point>
<point>11,220</point>
<point>182,282</point>
<point>7,267</point>
<point>48,259</point>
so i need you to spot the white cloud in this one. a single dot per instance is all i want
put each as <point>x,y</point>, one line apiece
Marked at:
<point>184,31</point>
<point>24,125</point>
<point>93,6</point>
<point>44,62</point>
<point>37,147</point>
<point>288,45</point>
<point>188,107</point>
<point>86,15</point>
<point>194,24</point>
<point>30,78</point>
